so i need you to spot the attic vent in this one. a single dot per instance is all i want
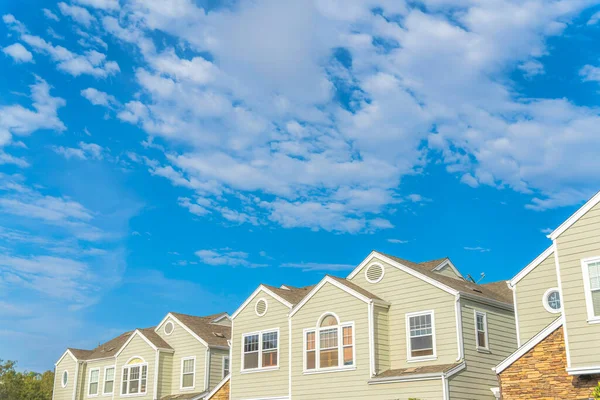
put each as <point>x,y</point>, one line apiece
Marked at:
<point>169,327</point>
<point>261,307</point>
<point>219,335</point>
<point>477,290</point>
<point>374,273</point>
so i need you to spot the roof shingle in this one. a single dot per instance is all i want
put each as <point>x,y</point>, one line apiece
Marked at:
<point>213,334</point>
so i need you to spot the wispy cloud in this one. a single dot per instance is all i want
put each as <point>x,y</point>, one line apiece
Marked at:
<point>398,241</point>
<point>477,248</point>
<point>312,266</point>
<point>227,257</point>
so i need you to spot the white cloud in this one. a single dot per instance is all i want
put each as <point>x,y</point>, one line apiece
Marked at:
<point>594,18</point>
<point>84,151</point>
<point>50,15</point>
<point>532,68</point>
<point>18,53</point>
<point>226,257</point>
<point>310,267</point>
<point>108,5</point>
<point>398,241</point>
<point>590,73</point>
<point>79,14</point>
<point>99,98</point>
<point>477,248</point>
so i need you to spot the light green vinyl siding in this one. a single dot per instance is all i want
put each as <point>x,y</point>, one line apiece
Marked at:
<point>408,294</point>
<point>185,345</point>
<point>85,376</point>
<point>474,382</point>
<point>165,374</point>
<point>66,393</point>
<point>382,339</point>
<point>273,383</point>
<point>533,316</point>
<point>137,347</point>
<point>580,241</point>
<point>351,384</point>
<point>216,366</point>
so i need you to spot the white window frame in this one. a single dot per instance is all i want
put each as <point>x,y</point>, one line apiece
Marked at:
<point>183,359</point>
<point>62,379</point>
<point>127,366</point>
<point>260,351</point>
<point>486,330</point>
<point>409,357</point>
<point>90,383</point>
<point>547,305</point>
<point>340,334</point>
<point>104,392</point>
<point>228,367</point>
<point>592,319</point>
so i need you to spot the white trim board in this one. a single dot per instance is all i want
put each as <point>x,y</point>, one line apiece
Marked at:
<point>259,289</point>
<point>531,266</point>
<point>339,285</point>
<point>530,344</point>
<point>575,217</point>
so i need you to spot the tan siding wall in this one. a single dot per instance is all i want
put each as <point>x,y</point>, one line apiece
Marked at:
<point>81,379</point>
<point>533,317</point>
<point>382,339</point>
<point>580,241</point>
<point>137,347</point>
<point>351,384</point>
<point>85,377</point>
<point>409,294</point>
<point>272,383</point>
<point>66,393</point>
<point>185,345</point>
<point>474,382</point>
<point>165,374</point>
<point>216,366</point>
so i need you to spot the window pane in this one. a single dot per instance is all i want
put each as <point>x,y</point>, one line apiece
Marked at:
<point>250,343</point>
<point>269,340</point>
<point>554,300</point>
<point>310,340</point>
<point>347,335</point>
<point>481,339</point>
<point>269,358</point>
<point>329,358</point>
<point>225,367</point>
<point>94,388</point>
<point>329,338</point>
<point>110,374</point>
<point>348,356</point>
<point>134,386</point>
<point>188,366</point>
<point>420,325</point>
<point>108,387</point>
<point>94,376</point>
<point>594,270</point>
<point>596,302</point>
<point>310,360</point>
<point>421,346</point>
<point>480,322</point>
<point>329,321</point>
<point>250,360</point>
<point>188,380</point>
<point>124,385</point>
<point>144,375</point>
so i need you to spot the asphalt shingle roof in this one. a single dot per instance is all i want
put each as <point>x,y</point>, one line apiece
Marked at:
<point>427,369</point>
<point>211,333</point>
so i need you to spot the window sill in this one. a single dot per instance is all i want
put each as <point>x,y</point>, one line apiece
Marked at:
<point>133,395</point>
<point>257,370</point>
<point>326,371</point>
<point>421,359</point>
<point>595,320</point>
<point>483,350</point>
<point>187,389</point>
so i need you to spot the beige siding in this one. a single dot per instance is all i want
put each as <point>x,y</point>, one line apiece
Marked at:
<point>474,382</point>
<point>66,393</point>
<point>81,379</point>
<point>85,377</point>
<point>351,384</point>
<point>580,241</point>
<point>165,374</point>
<point>216,366</point>
<point>185,345</point>
<point>137,347</point>
<point>382,339</point>
<point>409,294</point>
<point>273,383</point>
<point>533,317</point>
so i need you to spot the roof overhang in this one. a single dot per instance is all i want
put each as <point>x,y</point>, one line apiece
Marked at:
<point>576,215</point>
<point>530,344</point>
<point>531,266</point>
<point>259,289</point>
<point>448,263</point>
<point>419,377</point>
<point>339,285</point>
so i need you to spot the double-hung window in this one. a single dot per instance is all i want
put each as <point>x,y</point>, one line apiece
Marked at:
<point>420,336</point>
<point>481,330</point>
<point>188,372</point>
<point>94,382</point>
<point>225,366</point>
<point>109,380</point>
<point>260,350</point>
<point>591,276</point>
<point>330,345</point>
<point>135,377</point>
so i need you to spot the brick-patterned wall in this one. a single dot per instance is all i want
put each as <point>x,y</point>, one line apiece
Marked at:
<point>222,393</point>
<point>541,374</point>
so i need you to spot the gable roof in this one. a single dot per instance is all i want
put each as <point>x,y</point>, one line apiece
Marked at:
<point>531,266</point>
<point>213,334</point>
<point>79,353</point>
<point>286,295</point>
<point>150,337</point>
<point>575,216</point>
<point>530,344</point>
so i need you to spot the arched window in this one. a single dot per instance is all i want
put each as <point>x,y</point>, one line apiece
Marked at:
<point>330,345</point>
<point>135,376</point>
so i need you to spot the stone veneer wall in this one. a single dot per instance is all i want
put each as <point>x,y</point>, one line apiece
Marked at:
<point>222,393</point>
<point>541,374</point>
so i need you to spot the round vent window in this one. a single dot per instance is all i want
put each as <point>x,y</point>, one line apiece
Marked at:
<point>374,273</point>
<point>169,328</point>
<point>65,379</point>
<point>261,307</point>
<point>551,301</point>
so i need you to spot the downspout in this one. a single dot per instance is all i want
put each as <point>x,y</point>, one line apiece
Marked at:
<point>289,360</point>
<point>514,293</point>
<point>371,338</point>
<point>76,379</point>
<point>459,330</point>
<point>207,369</point>
<point>156,361</point>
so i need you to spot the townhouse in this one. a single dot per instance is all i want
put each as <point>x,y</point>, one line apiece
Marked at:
<point>183,358</point>
<point>392,329</point>
<point>557,309</point>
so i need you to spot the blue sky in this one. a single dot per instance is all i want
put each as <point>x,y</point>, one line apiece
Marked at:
<point>160,158</point>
